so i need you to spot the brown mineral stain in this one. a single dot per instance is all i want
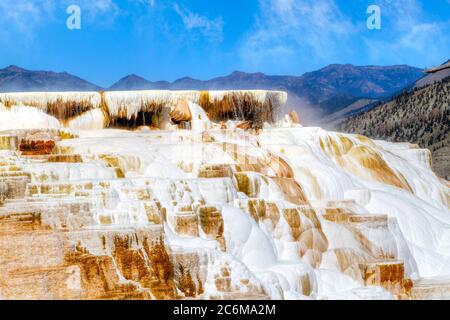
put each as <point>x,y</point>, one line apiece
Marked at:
<point>362,160</point>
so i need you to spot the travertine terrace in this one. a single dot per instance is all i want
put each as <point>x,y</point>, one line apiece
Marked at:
<point>210,195</point>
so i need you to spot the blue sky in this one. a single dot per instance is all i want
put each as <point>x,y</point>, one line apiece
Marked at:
<point>169,39</point>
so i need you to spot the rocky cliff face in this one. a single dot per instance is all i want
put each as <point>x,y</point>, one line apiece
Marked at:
<point>162,195</point>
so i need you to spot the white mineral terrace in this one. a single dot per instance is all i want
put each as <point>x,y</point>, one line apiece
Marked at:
<point>183,206</point>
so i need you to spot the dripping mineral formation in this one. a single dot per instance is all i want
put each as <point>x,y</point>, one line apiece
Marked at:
<point>210,195</point>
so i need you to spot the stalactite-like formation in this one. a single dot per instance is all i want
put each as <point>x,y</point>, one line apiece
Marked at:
<point>133,109</point>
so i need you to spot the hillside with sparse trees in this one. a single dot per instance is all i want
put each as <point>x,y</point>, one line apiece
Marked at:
<point>421,116</point>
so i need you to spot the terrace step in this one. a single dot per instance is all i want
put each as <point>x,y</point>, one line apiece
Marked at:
<point>57,189</point>
<point>351,218</point>
<point>57,282</point>
<point>16,186</point>
<point>215,171</point>
<point>431,289</point>
<point>9,142</point>
<point>389,274</point>
<point>68,158</point>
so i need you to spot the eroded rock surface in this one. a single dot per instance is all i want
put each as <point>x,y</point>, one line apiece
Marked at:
<point>212,211</point>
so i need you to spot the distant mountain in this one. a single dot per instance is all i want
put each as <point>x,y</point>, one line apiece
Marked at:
<point>134,82</point>
<point>236,80</point>
<point>325,91</point>
<point>420,115</point>
<point>13,78</point>
<point>361,82</point>
<point>329,89</point>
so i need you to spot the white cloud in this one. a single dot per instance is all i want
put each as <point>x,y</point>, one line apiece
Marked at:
<point>419,35</point>
<point>209,28</point>
<point>22,15</point>
<point>296,29</point>
<point>412,35</point>
<point>289,33</point>
<point>150,3</point>
<point>19,20</point>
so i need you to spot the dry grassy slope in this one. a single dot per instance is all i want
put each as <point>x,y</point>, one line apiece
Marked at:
<point>420,116</point>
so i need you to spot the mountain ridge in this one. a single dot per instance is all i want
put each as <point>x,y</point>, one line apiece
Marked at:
<point>14,78</point>
<point>326,90</point>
